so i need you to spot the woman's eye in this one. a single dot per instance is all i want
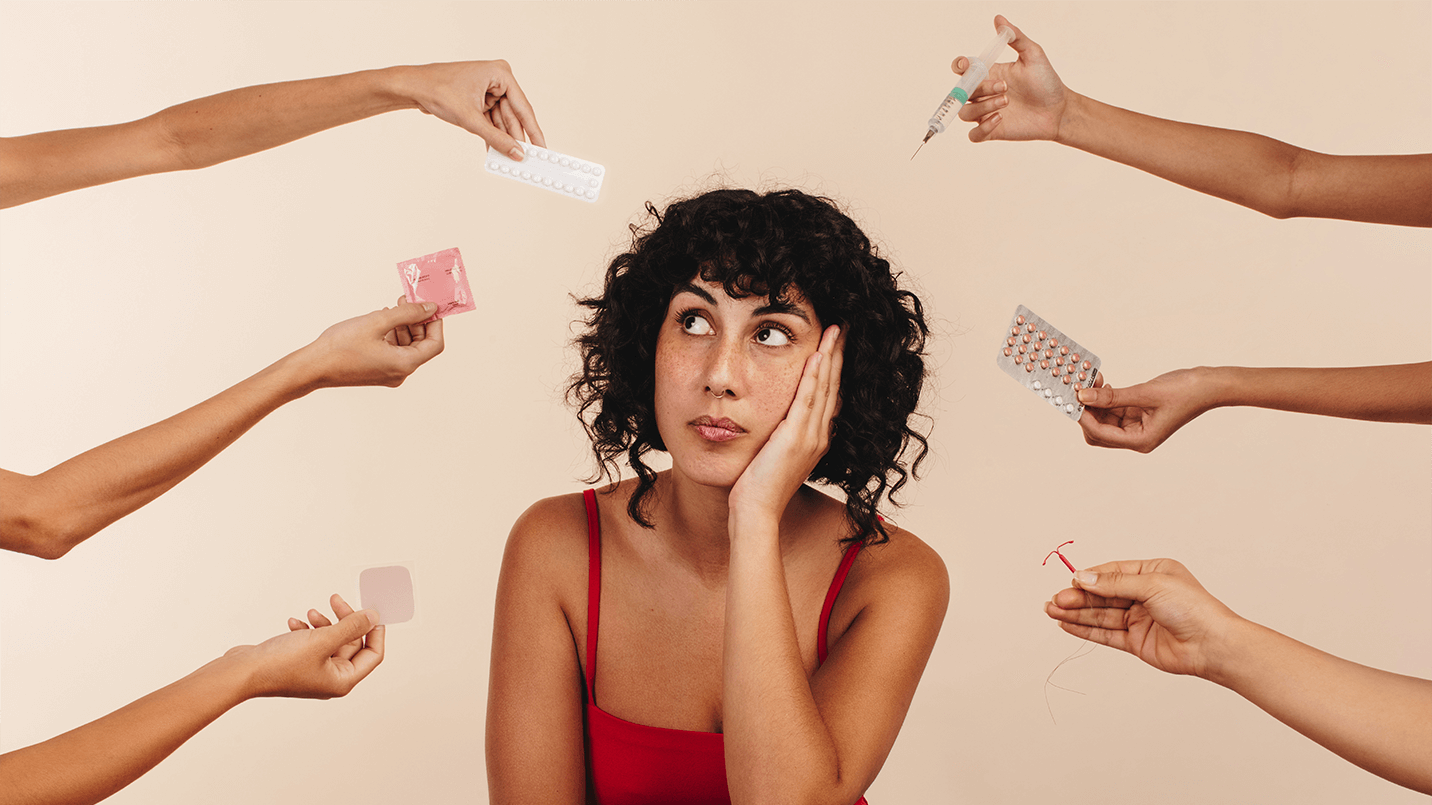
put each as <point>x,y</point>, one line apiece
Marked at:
<point>772,337</point>
<point>696,325</point>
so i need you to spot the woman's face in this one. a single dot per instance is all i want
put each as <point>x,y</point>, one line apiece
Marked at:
<point>726,373</point>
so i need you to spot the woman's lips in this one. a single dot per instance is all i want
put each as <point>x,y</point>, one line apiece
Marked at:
<point>717,430</point>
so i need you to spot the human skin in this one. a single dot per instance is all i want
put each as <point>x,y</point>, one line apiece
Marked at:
<point>1157,611</point>
<point>48,514</point>
<point>482,97</point>
<point>732,578</point>
<point>1144,416</point>
<point>1026,100</point>
<point>89,763</point>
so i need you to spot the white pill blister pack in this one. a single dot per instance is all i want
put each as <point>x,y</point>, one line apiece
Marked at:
<point>1047,362</point>
<point>550,170</point>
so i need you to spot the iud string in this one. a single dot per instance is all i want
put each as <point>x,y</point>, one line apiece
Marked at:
<point>1077,652</point>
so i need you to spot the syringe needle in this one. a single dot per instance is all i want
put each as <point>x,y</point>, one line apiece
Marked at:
<point>917,151</point>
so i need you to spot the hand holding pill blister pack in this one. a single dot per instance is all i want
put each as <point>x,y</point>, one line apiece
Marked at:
<point>1047,362</point>
<point>549,170</point>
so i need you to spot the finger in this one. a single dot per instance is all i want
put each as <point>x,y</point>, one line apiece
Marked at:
<point>523,110</point>
<point>1073,598</point>
<point>1098,617</point>
<point>510,123</point>
<point>491,132</point>
<point>340,607</point>
<point>1104,397</point>
<point>978,110</point>
<point>1104,637</point>
<point>405,313</point>
<point>430,347</point>
<point>1116,582</point>
<point>318,619</point>
<point>402,336</point>
<point>296,625</point>
<point>348,630</point>
<point>959,65</point>
<point>1100,433</point>
<point>1021,44</point>
<point>985,130</point>
<point>837,364</point>
<point>372,654</point>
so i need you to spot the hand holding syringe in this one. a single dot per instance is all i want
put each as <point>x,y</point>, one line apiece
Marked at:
<point>979,68</point>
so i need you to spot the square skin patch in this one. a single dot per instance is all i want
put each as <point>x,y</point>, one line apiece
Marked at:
<point>439,278</point>
<point>389,592</point>
<point>1047,362</point>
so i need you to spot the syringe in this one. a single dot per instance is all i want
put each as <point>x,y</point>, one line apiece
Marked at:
<point>978,69</point>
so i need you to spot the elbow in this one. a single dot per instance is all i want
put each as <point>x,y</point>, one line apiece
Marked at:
<point>46,536</point>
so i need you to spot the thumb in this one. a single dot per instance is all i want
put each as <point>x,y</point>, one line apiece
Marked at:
<point>404,313</point>
<point>349,629</point>
<point>1117,584</point>
<point>1021,44</point>
<point>1104,397</point>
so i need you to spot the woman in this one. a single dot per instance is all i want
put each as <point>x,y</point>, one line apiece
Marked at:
<point>757,638</point>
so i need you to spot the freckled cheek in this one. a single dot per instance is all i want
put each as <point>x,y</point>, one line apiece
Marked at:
<point>774,389</point>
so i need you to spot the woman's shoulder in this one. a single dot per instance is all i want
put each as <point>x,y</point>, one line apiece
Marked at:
<point>548,542</point>
<point>904,567</point>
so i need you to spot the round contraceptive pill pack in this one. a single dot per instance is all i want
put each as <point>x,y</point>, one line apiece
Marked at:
<point>1047,362</point>
<point>560,173</point>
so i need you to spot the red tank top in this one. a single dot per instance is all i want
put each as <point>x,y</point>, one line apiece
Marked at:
<point>633,764</point>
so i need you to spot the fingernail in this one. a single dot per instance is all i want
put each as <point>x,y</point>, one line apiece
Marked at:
<point>1086,395</point>
<point>372,617</point>
<point>1086,578</point>
<point>1001,87</point>
<point>1003,102</point>
<point>429,307</point>
<point>516,153</point>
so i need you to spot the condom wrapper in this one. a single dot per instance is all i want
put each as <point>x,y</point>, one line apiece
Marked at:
<point>439,278</point>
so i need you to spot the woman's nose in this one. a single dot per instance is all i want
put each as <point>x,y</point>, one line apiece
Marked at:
<point>724,368</point>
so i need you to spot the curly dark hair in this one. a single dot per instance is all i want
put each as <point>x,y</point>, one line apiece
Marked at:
<point>769,245</point>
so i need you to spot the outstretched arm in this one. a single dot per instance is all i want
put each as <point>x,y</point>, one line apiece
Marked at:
<point>89,763</point>
<point>1157,611</point>
<point>48,514</point>
<point>1142,417</point>
<point>482,97</point>
<point>1026,100</point>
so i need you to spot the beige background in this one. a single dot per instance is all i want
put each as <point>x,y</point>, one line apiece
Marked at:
<point>124,304</point>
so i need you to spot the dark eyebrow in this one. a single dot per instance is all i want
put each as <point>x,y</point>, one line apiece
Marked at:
<point>694,289</point>
<point>781,307</point>
<point>763,310</point>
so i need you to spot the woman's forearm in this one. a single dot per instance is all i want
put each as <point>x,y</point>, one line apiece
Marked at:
<point>1258,172</point>
<point>89,763</point>
<point>1401,393</point>
<point>48,514</point>
<point>777,745</point>
<point>1375,719</point>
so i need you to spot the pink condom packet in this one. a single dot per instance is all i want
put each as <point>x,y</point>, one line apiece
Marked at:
<point>438,278</point>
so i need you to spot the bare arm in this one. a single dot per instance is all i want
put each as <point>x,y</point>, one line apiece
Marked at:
<point>535,746</point>
<point>89,763</point>
<point>1026,100</point>
<point>1142,417</point>
<point>1157,611</point>
<point>787,737</point>
<point>482,97</point>
<point>48,514</point>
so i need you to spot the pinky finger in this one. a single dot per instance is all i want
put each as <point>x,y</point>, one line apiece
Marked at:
<point>296,625</point>
<point>318,618</point>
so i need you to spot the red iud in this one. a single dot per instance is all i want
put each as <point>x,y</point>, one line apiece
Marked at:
<point>1056,552</point>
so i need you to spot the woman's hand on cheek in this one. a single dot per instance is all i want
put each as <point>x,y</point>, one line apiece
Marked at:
<point>802,438</point>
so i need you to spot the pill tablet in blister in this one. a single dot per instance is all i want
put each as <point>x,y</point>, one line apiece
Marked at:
<point>560,173</point>
<point>1047,359</point>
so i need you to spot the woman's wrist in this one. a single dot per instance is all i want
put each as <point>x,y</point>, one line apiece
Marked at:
<point>1072,126</point>
<point>398,86</point>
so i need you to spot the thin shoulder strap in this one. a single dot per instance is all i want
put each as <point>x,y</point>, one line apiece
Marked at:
<point>594,586</point>
<point>830,596</point>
